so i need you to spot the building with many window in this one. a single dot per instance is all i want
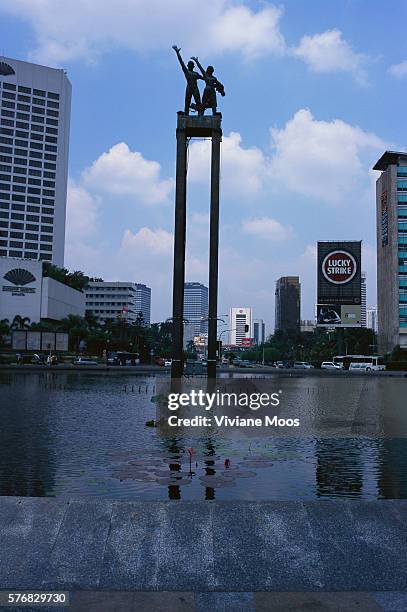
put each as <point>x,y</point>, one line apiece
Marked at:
<point>371,318</point>
<point>241,326</point>
<point>123,300</point>
<point>34,140</point>
<point>363,300</point>
<point>196,307</point>
<point>288,304</point>
<point>259,331</point>
<point>391,224</point>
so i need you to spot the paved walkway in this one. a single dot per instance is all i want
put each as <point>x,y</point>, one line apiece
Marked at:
<point>256,553</point>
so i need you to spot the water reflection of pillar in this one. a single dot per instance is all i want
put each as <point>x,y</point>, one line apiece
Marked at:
<point>210,469</point>
<point>174,490</point>
<point>339,469</point>
<point>392,476</point>
<point>27,467</point>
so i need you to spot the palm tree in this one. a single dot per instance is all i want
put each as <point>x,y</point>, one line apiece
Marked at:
<point>4,329</point>
<point>20,322</point>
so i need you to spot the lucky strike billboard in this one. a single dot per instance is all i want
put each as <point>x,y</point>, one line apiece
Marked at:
<point>339,284</point>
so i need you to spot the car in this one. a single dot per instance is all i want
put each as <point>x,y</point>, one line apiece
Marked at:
<point>245,363</point>
<point>303,365</point>
<point>84,361</point>
<point>167,362</point>
<point>331,365</point>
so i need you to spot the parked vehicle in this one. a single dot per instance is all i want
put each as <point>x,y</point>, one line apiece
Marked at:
<point>303,365</point>
<point>330,365</point>
<point>168,362</point>
<point>282,364</point>
<point>368,362</point>
<point>360,367</point>
<point>84,361</point>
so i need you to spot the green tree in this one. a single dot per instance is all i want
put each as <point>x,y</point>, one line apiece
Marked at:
<point>20,323</point>
<point>4,329</point>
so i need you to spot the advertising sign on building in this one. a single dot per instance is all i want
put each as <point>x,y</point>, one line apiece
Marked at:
<point>39,341</point>
<point>19,340</point>
<point>33,341</point>
<point>48,341</point>
<point>339,284</point>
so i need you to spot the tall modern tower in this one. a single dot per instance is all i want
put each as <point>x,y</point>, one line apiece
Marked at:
<point>196,307</point>
<point>288,304</point>
<point>259,331</point>
<point>391,223</point>
<point>363,302</point>
<point>34,142</point>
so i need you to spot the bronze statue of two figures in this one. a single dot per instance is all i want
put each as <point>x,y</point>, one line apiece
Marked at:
<point>212,85</point>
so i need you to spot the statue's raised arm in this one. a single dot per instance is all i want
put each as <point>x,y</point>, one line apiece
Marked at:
<point>197,62</point>
<point>181,61</point>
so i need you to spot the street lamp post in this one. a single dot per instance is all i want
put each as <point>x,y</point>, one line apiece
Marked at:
<point>220,336</point>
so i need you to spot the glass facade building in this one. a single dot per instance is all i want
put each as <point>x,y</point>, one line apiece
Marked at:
<point>196,307</point>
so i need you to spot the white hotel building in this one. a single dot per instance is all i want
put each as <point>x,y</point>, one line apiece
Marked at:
<point>35,105</point>
<point>241,324</point>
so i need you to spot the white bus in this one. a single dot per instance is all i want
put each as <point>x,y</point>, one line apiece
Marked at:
<point>367,363</point>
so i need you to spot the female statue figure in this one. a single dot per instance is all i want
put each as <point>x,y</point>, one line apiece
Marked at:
<point>212,86</point>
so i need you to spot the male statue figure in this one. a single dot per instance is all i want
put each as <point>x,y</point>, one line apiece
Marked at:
<point>192,84</point>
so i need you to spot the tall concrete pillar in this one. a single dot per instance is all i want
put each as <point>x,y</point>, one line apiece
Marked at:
<point>179,256</point>
<point>213,255</point>
<point>195,127</point>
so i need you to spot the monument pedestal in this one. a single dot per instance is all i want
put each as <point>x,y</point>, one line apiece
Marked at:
<point>195,127</point>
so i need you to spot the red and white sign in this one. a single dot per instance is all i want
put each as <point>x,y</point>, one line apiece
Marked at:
<point>339,267</point>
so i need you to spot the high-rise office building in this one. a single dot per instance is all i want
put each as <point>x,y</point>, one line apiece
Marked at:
<point>241,326</point>
<point>113,300</point>
<point>34,141</point>
<point>391,224</point>
<point>196,307</point>
<point>371,318</point>
<point>288,304</point>
<point>259,331</point>
<point>363,300</point>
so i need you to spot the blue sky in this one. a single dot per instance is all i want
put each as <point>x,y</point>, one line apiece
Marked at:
<point>315,91</point>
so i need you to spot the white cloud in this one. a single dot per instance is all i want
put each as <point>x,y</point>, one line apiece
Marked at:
<point>399,70</point>
<point>123,172</point>
<point>149,242</point>
<point>266,227</point>
<point>242,170</point>
<point>330,52</point>
<point>81,212</point>
<point>322,159</point>
<point>254,34</point>
<point>78,29</point>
